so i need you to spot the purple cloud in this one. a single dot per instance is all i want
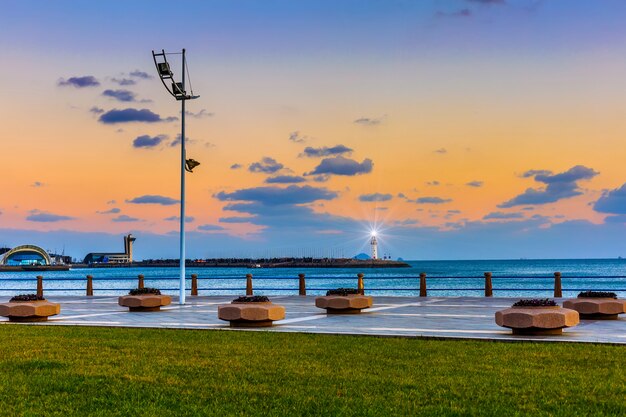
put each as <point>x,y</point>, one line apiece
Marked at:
<point>558,186</point>
<point>267,165</point>
<point>44,217</point>
<point>120,95</point>
<point>376,197</point>
<point>326,151</point>
<point>123,218</point>
<point>132,115</point>
<point>342,166</point>
<point>79,82</point>
<point>153,199</point>
<point>147,141</point>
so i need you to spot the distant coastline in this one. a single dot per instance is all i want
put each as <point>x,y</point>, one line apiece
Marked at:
<point>257,263</point>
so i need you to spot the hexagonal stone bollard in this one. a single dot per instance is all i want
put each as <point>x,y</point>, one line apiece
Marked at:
<point>344,304</point>
<point>597,308</point>
<point>144,302</point>
<point>251,314</point>
<point>29,311</point>
<point>537,320</point>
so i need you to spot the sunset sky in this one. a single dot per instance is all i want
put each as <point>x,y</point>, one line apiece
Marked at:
<point>460,129</point>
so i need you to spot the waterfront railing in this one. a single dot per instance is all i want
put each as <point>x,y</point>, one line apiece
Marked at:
<point>421,285</point>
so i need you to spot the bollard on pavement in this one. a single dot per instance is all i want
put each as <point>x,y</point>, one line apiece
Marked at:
<point>194,284</point>
<point>488,285</point>
<point>301,285</point>
<point>249,290</point>
<point>39,285</point>
<point>360,287</point>
<point>558,289</point>
<point>423,292</point>
<point>89,286</point>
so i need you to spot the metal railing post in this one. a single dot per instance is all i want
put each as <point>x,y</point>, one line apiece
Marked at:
<point>140,281</point>
<point>39,285</point>
<point>423,292</point>
<point>301,285</point>
<point>249,290</point>
<point>194,284</point>
<point>360,287</point>
<point>558,289</point>
<point>89,286</point>
<point>488,285</point>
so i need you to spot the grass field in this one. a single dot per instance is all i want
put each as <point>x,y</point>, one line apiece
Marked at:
<point>142,372</point>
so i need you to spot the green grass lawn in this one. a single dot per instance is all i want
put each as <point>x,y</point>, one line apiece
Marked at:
<point>142,372</point>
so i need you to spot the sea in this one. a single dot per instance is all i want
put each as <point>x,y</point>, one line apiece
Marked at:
<point>523,278</point>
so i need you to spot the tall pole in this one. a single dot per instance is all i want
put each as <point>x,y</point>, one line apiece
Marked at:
<point>181,295</point>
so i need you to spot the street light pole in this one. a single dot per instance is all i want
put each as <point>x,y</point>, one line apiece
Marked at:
<point>183,159</point>
<point>179,92</point>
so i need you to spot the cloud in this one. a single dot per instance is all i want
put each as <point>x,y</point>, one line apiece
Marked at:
<point>499,215</point>
<point>140,74</point>
<point>342,166</point>
<point>559,186</point>
<point>613,202</point>
<point>153,199</point>
<point>236,166</point>
<point>96,110</point>
<point>200,115</point>
<point>275,196</point>
<point>210,227</point>
<point>533,172</point>
<point>433,183</point>
<point>45,217</point>
<point>132,115</point>
<point>376,197</point>
<point>321,178</point>
<point>368,121</point>
<point>325,151</point>
<point>441,151</point>
<point>267,165</point>
<point>285,179</point>
<point>458,13</point>
<point>431,200</point>
<point>188,219</point>
<point>147,141</point>
<point>120,95</point>
<point>123,81</point>
<point>38,184</point>
<point>122,218</point>
<point>235,219</point>
<point>79,82</point>
<point>297,138</point>
<point>114,210</point>
<point>475,184</point>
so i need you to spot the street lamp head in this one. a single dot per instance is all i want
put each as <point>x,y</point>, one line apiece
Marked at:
<point>164,69</point>
<point>177,88</point>
<point>190,164</point>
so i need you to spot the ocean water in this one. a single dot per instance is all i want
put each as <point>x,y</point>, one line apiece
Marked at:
<point>511,278</point>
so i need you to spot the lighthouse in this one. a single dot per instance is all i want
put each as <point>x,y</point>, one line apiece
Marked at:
<point>374,245</point>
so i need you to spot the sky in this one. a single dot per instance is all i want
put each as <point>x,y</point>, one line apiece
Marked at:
<point>458,129</point>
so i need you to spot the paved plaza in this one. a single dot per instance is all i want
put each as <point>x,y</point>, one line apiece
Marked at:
<point>438,317</point>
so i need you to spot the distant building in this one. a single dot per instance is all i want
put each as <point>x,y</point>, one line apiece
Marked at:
<point>26,255</point>
<point>113,258</point>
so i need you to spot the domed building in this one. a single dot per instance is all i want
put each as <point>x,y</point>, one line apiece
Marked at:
<point>26,255</point>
